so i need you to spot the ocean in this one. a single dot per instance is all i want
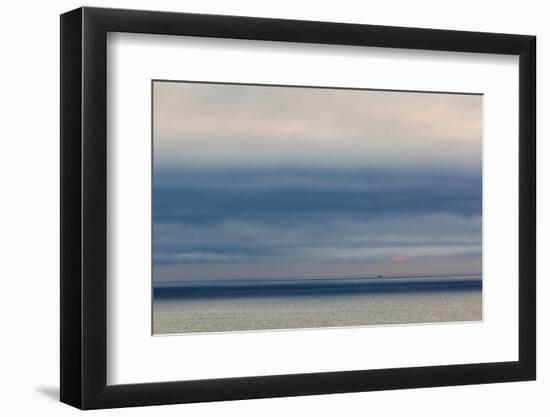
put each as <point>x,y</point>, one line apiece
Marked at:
<point>276,304</point>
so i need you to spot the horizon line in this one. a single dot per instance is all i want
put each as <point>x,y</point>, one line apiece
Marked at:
<point>370,276</point>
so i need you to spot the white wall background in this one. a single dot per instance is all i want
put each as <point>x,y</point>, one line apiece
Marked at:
<point>29,238</point>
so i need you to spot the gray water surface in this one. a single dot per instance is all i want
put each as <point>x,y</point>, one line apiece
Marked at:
<point>238,313</point>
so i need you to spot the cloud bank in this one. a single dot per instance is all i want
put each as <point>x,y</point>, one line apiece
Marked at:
<point>267,181</point>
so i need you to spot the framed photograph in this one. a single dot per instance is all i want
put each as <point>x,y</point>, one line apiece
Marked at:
<point>258,208</point>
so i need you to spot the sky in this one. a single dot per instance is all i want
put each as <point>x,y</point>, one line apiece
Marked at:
<point>275,182</point>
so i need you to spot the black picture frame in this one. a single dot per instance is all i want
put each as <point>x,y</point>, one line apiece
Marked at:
<point>84,208</point>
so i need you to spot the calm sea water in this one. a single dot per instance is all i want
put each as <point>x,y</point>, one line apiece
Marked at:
<point>193,307</point>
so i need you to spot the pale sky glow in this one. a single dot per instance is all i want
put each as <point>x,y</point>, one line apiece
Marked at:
<point>259,181</point>
<point>236,125</point>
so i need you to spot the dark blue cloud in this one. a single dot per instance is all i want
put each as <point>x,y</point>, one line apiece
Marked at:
<point>296,196</point>
<point>257,214</point>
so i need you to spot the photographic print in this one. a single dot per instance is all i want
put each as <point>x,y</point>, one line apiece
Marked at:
<point>291,207</point>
